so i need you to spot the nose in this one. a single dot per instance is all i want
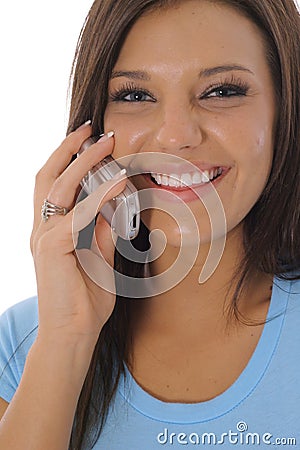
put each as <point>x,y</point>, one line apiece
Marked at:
<point>178,128</point>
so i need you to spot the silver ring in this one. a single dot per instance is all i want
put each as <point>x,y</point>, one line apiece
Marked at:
<point>49,209</point>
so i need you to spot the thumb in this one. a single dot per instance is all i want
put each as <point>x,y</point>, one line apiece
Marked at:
<point>104,240</point>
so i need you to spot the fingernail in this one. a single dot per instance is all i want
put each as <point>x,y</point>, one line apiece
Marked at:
<point>85,124</point>
<point>119,174</point>
<point>106,136</point>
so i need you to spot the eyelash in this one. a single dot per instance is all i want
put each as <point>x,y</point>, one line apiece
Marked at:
<point>236,85</point>
<point>128,88</point>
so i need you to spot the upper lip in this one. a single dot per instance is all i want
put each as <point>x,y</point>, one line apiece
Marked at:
<point>167,164</point>
<point>187,167</point>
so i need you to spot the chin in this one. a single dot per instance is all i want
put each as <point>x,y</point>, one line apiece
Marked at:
<point>165,231</point>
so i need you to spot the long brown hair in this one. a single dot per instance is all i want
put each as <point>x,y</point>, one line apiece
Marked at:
<point>271,228</point>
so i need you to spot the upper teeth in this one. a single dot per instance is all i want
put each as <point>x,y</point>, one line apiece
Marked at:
<point>186,179</point>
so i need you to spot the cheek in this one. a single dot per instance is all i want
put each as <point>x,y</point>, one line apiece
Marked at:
<point>247,143</point>
<point>251,173</point>
<point>131,133</point>
<point>257,155</point>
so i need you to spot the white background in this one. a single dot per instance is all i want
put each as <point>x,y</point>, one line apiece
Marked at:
<point>37,43</point>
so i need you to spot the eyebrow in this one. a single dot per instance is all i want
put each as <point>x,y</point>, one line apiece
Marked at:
<point>144,76</point>
<point>134,74</point>
<point>224,68</point>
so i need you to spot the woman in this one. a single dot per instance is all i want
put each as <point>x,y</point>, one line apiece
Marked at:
<point>216,84</point>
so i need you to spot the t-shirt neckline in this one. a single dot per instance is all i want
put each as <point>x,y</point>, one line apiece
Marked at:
<point>242,388</point>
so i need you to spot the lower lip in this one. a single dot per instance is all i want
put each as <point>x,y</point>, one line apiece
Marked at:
<point>186,194</point>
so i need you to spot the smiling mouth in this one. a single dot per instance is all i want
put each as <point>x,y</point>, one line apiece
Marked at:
<point>186,180</point>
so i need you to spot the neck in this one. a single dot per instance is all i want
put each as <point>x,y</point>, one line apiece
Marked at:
<point>189,306</point>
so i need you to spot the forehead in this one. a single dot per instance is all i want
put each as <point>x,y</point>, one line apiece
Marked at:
<point>193,30</point>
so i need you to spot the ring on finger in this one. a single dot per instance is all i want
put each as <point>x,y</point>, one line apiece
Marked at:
<point>50,209</point>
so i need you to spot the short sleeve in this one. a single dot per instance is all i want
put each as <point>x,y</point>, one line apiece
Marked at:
<point>18,330</point>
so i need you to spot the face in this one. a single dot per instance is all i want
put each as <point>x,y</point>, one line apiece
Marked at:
<point>192,83</point>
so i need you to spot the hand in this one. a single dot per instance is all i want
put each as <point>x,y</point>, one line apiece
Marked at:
<point>71,306</point>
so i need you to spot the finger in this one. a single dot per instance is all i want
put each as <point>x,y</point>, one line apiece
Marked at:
<point>61,232</point>
<point>64,188</point>
<point>62,191</point>
<point>104,240</point>
<point>56,164</point>
<point>97,269</point>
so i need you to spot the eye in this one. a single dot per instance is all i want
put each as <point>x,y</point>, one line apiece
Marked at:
<point>226,90</point>
<point>131,94</point>
<point>136,96</point>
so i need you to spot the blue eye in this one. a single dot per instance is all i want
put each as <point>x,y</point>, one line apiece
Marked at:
<point>226,91</point>
<point>136,96</point>
<point>131,94</point>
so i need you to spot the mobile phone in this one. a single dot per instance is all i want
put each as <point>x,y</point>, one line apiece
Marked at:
<point>123,211</point>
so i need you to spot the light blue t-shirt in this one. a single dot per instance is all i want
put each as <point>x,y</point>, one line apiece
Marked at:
<point>260,410</point>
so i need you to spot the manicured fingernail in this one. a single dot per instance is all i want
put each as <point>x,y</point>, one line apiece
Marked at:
<point>119,174</point>
<point>85,124</point>
<point>106,136</point>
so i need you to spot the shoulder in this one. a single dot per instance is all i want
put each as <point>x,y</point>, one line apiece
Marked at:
<point>18,330</point>
<point>295,287</point>
<point>21,317</point>
<point>18,324</point>
<point>294,300</point>
<point>28,306</point>
<point>288,289</point>
<point>287,300</point>
<point>290,286</point>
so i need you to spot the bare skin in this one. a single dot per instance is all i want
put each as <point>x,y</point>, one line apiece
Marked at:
<point>186,348</point>
<point>236,131</point>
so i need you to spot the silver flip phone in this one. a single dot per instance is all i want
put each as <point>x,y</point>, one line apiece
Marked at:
<point>123,211</point>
